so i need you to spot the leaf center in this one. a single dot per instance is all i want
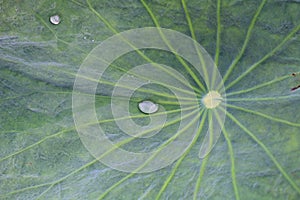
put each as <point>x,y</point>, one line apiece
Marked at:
<point>212,99</point>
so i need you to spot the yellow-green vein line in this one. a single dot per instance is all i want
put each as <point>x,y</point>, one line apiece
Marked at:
<point>199,180</point>
<point>67,176</point>
<point>47,25</point>
<point>264,115</point>
<point>202,169</point>
<point>147,91</point>
<point>17,96</point>
<point>261,144</point>
<point>140,77</point>
<point>12,131</point>
<point>168,180</point>
<point>101,18</point>
<point>248,36</point>
<point>78,3</point>
<point>119,144</point>
<point>270,54</point>
<point>50,183</point>
<point>262,98</point>
<point>36,143</point>
<point>137,50</point>
<point>233,176</point>
<point>258,86</point>
<point>218,42</point>
<point>152,157</point>
<point>190,24</point>
<point>132,99</point>
<point>218,46</point>
<point>92,123</point>
<point>120,68</point>
<point>231,154</point>
<point>24,189</point>
<point>195,78</point>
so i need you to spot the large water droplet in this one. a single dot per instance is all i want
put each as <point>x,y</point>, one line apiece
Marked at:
<point>148,107</point>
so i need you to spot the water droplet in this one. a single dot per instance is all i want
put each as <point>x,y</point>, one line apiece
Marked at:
<point>55,19</point>
<point>148,107</point>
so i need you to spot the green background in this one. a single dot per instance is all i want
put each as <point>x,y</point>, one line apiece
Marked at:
<point>256,46</point>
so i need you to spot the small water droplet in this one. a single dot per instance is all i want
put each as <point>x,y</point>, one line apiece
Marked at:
<point>148,107</point>
<point>55,19</point>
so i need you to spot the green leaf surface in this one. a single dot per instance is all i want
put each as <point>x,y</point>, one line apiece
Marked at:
<point>256,47</point>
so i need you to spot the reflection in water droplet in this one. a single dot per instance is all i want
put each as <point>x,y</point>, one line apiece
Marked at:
<point>55,19</point>
<point>148,107</point>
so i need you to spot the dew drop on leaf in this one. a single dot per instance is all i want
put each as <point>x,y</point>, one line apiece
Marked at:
<point>55,19</point>
<point>148,107</point>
